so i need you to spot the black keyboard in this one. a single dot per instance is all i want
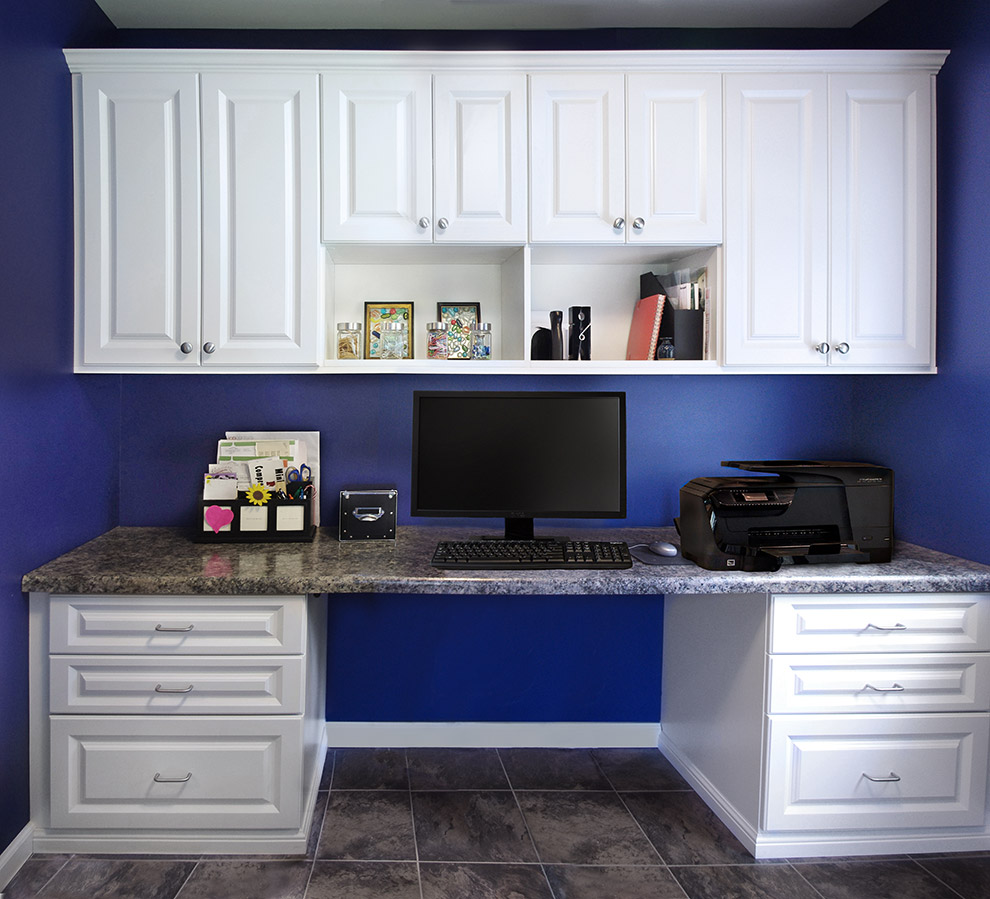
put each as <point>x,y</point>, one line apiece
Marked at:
<point>519,554</point>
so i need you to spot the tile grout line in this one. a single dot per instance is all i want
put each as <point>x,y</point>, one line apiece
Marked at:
<point>529,830</point>
<point>323,820</point>
<point>412,819</point>
<point>938,879</point>
<point>50,879</point>
<point>192,871</point>
<point>797,870</point>
<point>618,795</point>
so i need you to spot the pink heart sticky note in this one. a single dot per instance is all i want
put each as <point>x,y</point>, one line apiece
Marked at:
<point>218,517</point>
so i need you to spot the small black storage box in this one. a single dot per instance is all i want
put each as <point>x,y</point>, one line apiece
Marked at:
<point>368,514</point>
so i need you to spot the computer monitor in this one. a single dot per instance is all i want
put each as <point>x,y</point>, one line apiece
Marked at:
<point>519,456</point>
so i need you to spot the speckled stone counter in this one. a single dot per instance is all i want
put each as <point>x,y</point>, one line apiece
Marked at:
<point>167,561</point>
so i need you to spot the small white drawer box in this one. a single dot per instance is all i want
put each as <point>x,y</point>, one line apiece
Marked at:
<point>880,682</point>
<point>176,685</point>
<point>181,625</point>
<point>920,622</point>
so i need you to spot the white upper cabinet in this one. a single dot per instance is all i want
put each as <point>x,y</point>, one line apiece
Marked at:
<point>261,247</point>
<point>633,159</point>
<point>410,158</point>
<point>829,250</point>
<point>137,185</point>
<point>776,230</point>
<point>377,156</point>
<point>674,151</point>
<point>578,173</point>
<point>480,156</point>
<point>882,247</point>
<point>232,206</point>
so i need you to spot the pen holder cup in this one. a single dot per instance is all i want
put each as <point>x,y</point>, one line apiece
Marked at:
<point>241,521</point>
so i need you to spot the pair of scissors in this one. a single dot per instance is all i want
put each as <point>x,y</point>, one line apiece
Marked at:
<point>302,473</point>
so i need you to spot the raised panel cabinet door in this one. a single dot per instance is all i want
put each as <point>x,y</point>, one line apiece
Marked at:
<point>776,229</point>
<point>882,266</point>
<point>910,622</point>
<point>577,179</point>
<point>480,153</point>
<point>674,140</point>
<point>261,237</point>
<point>178,625</point>
<point>137,145</point>
<point>852,772</point>
<point>234,772</point>
<point>378,156</point>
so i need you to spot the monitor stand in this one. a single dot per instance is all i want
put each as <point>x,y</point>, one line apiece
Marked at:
<point>522,529</point>
<point>519,529</point>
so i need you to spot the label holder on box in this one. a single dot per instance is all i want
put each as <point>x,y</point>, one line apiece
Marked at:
<point>367,514</point>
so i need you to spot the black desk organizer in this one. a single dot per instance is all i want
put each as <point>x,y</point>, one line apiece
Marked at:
<point>203,533</point>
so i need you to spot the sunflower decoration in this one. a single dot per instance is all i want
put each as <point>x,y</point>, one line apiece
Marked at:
<point>258,494</point>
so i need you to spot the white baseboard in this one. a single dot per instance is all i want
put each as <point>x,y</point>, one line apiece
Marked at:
<point>14,856</point>
<point>504,734</point>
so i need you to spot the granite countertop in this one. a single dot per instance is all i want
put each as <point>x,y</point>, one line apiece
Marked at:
<point>167,561</point>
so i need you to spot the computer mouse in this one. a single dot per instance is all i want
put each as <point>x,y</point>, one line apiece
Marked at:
<point>662,548</point>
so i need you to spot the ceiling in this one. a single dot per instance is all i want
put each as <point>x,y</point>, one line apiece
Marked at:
<point>487,14</point>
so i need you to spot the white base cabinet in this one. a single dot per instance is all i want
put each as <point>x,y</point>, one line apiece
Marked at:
<point>176,724</point>
<point>833,725</point>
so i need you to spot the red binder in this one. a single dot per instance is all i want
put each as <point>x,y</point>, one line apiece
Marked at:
<point>645,328</point>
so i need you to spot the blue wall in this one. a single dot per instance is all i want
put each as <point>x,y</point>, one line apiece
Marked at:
<point>416,658</point>
<point>935,432</point>
<point>58,433</point>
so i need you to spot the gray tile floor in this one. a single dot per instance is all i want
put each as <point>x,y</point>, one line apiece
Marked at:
<point>506,824</point>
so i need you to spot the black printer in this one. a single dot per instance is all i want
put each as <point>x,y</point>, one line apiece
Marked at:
<point>809,512</point>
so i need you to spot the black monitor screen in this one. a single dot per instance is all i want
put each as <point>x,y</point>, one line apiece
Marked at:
<point>519,455</point>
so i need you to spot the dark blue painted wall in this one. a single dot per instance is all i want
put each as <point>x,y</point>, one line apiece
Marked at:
<point>59,439</point>
<point>415,658</point>
<point>935,432</point>
<point>436,658</point>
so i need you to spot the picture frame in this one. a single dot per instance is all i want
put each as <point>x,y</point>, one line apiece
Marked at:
<point>458,317</point>
<point>376,313</point>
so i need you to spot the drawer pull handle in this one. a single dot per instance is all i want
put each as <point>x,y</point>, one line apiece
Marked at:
<point>160,689</point>
<point>889,779</point>
<point>893,627</point>
<point>172,780</point>
<point>896,688</point>
<point>174,630</point>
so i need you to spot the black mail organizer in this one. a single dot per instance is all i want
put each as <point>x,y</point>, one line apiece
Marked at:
<point>277,520</point>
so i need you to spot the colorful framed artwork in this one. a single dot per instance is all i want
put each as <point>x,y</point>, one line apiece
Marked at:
<point>374,315</point>
<point>458,317</point>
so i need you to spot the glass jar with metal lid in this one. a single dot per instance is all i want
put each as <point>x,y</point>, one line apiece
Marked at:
<point>436,340</point>
<point>392,344</point>
<point>481,340</point>
<point>349,345</point>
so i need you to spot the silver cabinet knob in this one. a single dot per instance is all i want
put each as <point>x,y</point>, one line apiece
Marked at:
<point>442,224</point>
<point>209,347</point>
<point>186,347</point>
<point>638,224</point>
<point>841,348</point>
<point>823,348</point>
<point>424,223</point>
<point>619,223</point>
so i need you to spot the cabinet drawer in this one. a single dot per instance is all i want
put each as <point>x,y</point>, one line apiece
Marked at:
<point>232,773</point>
<point>927,771</point>
<point>921,622</point>
<point>880,682</point>
<point>209,625</point>
<point>133,685</point>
